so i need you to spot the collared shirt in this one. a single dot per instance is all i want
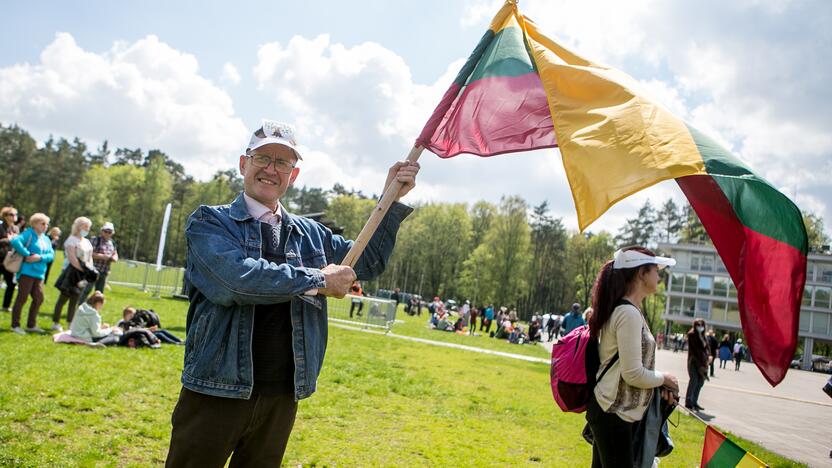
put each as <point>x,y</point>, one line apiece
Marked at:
<point>106,247</point>
<point>264,214</point>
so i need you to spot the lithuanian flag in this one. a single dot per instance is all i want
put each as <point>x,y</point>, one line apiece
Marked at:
<point>719,452</point>
<point>520,91</point>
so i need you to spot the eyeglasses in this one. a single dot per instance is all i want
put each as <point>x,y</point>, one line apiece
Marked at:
<point>263,161</point>
<point>11,214</point>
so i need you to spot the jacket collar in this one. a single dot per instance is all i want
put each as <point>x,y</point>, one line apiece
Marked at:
<point>238,211</point>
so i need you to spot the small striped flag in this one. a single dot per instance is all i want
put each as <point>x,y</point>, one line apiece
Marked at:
<point>720,452</point>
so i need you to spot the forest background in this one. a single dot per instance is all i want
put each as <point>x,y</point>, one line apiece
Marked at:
<point>509,253</point>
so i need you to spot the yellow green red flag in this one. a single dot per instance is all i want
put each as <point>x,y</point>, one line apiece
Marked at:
<point>520,90</point>
<point>719,452</point>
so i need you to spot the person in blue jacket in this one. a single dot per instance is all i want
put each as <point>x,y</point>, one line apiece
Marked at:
<point>37,252</point>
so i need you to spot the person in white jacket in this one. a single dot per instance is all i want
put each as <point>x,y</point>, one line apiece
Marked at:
<point>627,347</point>
<point>87,325</point>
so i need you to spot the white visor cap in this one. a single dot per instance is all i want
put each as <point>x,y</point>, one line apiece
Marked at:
<point>273,132</point>
<point>634,258</point>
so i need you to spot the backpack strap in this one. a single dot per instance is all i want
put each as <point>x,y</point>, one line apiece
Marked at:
<point>606,368</point>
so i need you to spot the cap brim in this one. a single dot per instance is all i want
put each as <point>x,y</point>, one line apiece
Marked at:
<point>664,262</point>
<point>276,141</point>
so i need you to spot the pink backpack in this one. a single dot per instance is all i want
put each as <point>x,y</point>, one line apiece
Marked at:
<point>575,363</point>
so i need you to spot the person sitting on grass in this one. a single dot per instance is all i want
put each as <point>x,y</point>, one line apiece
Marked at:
<point>444,324</point>
<point>130,321</point>
<point>87,326</point>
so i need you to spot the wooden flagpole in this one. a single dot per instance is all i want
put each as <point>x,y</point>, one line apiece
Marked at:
<point>390,195</point>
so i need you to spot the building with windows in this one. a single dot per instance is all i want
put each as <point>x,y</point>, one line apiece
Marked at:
<point>699,287</point>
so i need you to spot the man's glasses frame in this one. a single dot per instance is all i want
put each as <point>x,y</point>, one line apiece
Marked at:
<point>263,161</point>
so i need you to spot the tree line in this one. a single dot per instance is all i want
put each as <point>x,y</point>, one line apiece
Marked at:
<point>507,253</point>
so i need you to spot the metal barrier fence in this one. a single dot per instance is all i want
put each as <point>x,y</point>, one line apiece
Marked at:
<point>144,276</point>
<point>363,311</point>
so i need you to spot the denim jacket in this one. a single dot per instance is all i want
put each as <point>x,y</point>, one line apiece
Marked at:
<point>226,277</point>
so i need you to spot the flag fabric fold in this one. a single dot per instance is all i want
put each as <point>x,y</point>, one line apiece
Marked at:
<point>497,103</point>
<point>719,452</point>
<point>520,91</point>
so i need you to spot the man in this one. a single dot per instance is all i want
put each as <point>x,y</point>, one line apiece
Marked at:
<point>552,326</point>
<point>396,296</point>
<point>104,253</point>
<point>257,280</point>
<point>573,319</point>
<point>713,348</point>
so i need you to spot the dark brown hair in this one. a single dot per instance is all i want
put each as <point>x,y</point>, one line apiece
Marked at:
<point>696,322</point>
<point>610,286</point>
<point>97,298</point>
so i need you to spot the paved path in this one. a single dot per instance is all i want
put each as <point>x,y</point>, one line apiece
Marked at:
<point>793,419</point>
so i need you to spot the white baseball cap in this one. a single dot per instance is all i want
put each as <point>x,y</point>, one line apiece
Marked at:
<point>108,226</point>
<point>634,258</point>
<point>271,132</point>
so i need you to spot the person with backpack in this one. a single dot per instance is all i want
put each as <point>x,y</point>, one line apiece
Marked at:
<point>627,354</point>
<point>739,353</point>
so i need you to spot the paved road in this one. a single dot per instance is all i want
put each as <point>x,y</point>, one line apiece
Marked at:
<point>793,419</point>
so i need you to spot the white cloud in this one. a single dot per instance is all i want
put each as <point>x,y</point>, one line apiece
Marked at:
<point>145,94</point>
<point>230,75</point>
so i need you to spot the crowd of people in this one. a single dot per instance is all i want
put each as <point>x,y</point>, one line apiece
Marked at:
<point>28,251</point>
<point>468,319</point>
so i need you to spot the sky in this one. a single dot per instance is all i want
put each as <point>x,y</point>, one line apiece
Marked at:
<point>359,80</point>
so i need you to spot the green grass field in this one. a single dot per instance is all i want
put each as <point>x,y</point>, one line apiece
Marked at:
<point>381,402</point>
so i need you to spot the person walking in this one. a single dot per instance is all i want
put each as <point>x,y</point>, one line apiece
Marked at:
<point>698,355</point>
<point>627,352</point>
<point>77,255</point>
<point>725,351</point>
<point>36,249</point>
<point>8,231</point>
<point>551,326</point>
<point>713,349</point>
<point>739,353</point>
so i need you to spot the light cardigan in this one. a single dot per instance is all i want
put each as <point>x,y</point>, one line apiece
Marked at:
<point>627,387</point>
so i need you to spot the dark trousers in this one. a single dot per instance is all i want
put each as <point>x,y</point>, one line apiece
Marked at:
<point>613,438</point>
<point>711,365</point>
<point>59,306</point>
<point>28,286</point>
<point>695,384</point>
<point>207,429</point>
<point>8,277</point>
<point>353,305</point>
<point>46,276</point>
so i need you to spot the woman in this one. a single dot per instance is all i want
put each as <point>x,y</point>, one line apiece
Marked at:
<point>697,364</point>
<point>54,237</point>
<point>724,351</point>
<point>8,229</point>
<point>627,352</point>
<point>78,254</point>
<point>87,326</point>
<point>37,251</point>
